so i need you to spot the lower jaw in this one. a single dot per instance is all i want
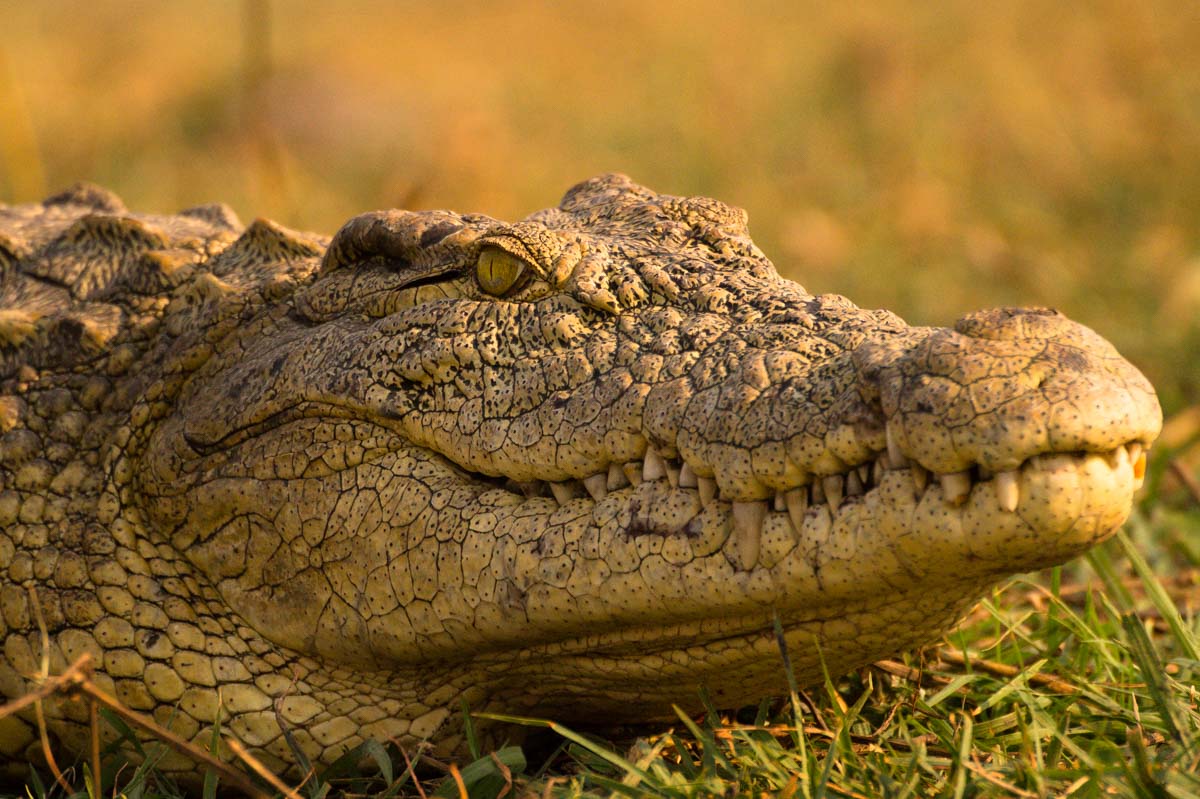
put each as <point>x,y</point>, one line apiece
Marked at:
<point>735,670</point>
<point>895,570</point>
<point>669,597</point>
<point>1033,506</point>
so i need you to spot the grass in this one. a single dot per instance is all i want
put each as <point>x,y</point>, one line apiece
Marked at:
<point>1081,681</point>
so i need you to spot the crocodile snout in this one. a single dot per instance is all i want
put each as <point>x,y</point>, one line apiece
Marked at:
<point>1004,385</point>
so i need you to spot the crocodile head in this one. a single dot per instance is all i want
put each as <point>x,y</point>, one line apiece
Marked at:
<point>590,459</point>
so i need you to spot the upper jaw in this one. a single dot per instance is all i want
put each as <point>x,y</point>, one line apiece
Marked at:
<point>983,416</point>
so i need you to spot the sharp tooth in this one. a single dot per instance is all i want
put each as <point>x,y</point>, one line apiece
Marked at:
<point>1135,451</point>
<point>833,490</point>
<point>563,492</point>
<point>1139,465</point>
<point>1118,459</point>
<point>894,454</point>
<point>956,486</point>
<point>596,485</point>
<point>864,474</point>
<point>687,478</point>
<point>878,469</point>
<point>672,473</point>
<point>633,472</point>
<point>747,532</point>
<point>854,484</point>
<point>707,490</point>
<point>779,505</point>
<point>654,467</point>
<point>797,506</point>
<point>920,478</point>
<point>818,492</point>
<point>1007,490</point>
<point>616,477</point>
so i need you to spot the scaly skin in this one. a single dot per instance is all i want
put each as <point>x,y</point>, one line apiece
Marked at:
<point>350,492</point>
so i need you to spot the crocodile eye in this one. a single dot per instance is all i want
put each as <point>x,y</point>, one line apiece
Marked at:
<point>499,271</point>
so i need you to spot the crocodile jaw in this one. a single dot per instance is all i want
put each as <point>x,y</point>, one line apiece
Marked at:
<point>650,588</point>
<point>889,569</point>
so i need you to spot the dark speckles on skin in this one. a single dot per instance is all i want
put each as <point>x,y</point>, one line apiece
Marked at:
<point>1072,360</point>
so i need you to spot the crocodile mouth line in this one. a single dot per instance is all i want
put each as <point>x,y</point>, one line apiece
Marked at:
<point>816,506</point>
<point>811,509</point>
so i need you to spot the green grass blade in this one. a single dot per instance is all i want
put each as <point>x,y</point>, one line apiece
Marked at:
<point>473,747</point>
<point>1183,636</point>
<point>1154,673</point>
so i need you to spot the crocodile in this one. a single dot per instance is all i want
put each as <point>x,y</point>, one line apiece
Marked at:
<point>580,466</point>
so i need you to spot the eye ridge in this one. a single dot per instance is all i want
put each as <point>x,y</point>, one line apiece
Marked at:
<point>499,272</point>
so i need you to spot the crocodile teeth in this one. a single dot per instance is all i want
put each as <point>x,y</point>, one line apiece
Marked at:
<point>616,477</point>
<point>833,490</point>
<point>797,505</point>
<point>897,457</point>
<point>854,484</point>
<point>1007,490</point>
<point>707,489</point>
<point>633,472</point>
<point>1118,459</point>
<point>687,478</point>
<point>1138,457</point>
<point>654,467</point>
<point>920,478</point>
<point>779,505</point>
<point>748,518</point>
<point>956,486</point>
<point>563,492</point>
<point>596,485</point>
<point>864,474</point>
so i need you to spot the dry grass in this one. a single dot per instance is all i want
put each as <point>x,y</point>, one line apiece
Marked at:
<point>929,158</point>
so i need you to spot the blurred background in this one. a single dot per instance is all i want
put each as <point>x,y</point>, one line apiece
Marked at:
<point>931,158</point>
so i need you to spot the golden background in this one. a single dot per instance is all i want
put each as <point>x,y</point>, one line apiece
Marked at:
<point>931,158</point>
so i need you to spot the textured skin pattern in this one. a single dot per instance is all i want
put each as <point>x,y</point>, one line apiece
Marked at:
<point>349,488</point>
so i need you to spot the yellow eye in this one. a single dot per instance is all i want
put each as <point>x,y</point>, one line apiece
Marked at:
<point>499,271</point>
